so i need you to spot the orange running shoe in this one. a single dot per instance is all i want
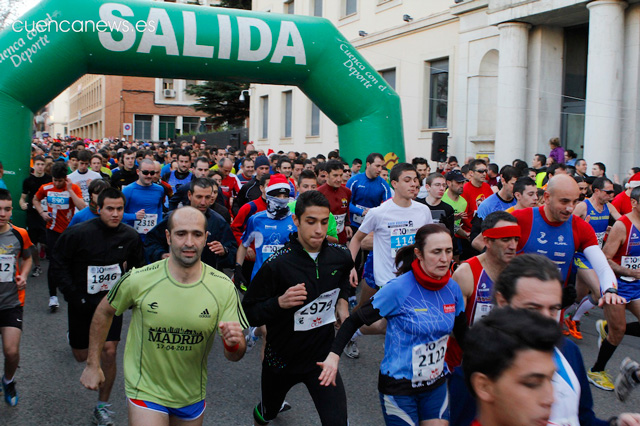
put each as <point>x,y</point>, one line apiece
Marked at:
<point>573,327</point>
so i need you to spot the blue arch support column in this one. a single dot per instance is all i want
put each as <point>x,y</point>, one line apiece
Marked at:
<point>58,41</point>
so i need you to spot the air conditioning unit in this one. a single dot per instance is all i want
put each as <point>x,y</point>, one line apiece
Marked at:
<point>169,93</point>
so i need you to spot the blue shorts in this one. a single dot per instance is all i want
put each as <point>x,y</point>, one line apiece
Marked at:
<point>190,412</point>
<point>630,291</point>
<point>367,272</point>
<point>403,410</point>
<point>580,261</point>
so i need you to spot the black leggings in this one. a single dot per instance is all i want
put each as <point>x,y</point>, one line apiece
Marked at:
<point>330,401</point>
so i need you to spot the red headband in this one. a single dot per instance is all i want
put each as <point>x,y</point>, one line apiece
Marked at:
<point>503,232</point>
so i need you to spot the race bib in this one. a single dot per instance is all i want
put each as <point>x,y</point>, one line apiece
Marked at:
<point>340,222</point>
<point>358,218</point>
<point>146,224</point>
<point>269,249</point>
<point>401,237</point>
<point>600,237</point>
<point>482,310</point>
<point>7,268</point>
<point>321,311</point>
<point>102,278</point>
<point>427,361</point>
<point>631,262</point>
<point>58,200</point>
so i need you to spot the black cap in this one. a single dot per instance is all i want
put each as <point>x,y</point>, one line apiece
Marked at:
<point>455,175</point>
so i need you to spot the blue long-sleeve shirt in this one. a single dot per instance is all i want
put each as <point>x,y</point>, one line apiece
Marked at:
<point>141,197</point>
<point>365,194</point>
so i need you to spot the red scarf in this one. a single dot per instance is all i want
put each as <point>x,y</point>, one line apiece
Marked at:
<point>426,281</point>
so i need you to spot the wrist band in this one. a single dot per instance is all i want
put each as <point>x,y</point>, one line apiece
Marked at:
<point>233,348</point>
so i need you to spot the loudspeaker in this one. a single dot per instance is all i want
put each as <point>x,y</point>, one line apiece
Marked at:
<point>439,147</point>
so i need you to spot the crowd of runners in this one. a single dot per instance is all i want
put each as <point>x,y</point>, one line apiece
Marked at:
<point>478,275</point>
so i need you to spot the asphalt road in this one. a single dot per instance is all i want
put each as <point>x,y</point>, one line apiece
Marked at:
<point>51,394</point>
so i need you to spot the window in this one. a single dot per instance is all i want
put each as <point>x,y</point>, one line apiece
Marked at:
<point>167,83</point>
<point>316,6</point>
<point>187,83</point>
<point>142,127</point>
<point>190,124</point>
<point>350,7</point>
<point>287,102</point>
<point>389,76</point>
<point>289,6</point>
<point>167,127</point>
<point>314,129</point>
<point>438,93</point>
<point>264,106</point>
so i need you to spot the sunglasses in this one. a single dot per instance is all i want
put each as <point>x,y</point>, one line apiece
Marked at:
<point>481,171</point>
<point>609,192</point>
<point>148,172</point>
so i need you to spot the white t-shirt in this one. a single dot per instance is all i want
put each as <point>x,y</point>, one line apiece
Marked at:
<point>393,227</point>
<point>82,180</point>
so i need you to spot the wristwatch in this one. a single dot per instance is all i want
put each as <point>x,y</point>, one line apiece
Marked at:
<point>612,290</point>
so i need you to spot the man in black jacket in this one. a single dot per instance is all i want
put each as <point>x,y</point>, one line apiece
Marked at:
<point>222,246</point>
<point>298,293</point>
<point>88,259</point>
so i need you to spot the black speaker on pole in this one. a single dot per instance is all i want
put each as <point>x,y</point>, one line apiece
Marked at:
<point>439,147</point>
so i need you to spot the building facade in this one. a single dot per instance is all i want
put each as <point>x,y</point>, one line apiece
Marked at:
<point>502,77</point>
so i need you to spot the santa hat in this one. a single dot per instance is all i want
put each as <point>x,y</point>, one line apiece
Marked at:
<point>270,152</point>
<point>278,185</point>
<point>634,181</point>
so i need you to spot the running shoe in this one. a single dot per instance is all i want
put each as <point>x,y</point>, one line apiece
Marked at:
<point>627,379</point>
<point>600,379</point>
<point>37,271</point>
<point>573,327</point>
<point>351,350</point>
<point>601,328</point>
<point>10,392</point>
<point>251,338</point>
<point>102,416</point>
<point>53,303</point>
<point>257,416</point>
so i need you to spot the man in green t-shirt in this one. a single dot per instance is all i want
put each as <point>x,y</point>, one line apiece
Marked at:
<point>307,182</point>
<point>179,303</point>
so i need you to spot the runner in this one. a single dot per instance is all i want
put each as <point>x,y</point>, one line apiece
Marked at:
<point>298,293</point>
<point>269,229</point>
<point>623,252</point>
<point>182,175</point>
<point>532,282</point>
<point>509,367</point>
<point>230,185</point>
<point>15,266</point>
<point>622,201</point>
<point>435,186</point>
<point>143,208</point>
<point>598,212</point>
<point>251,190</point>
<point>247,171</point>
<point>452,196</point>
<point>525,193</point>
<point>88,260</point>
<point>181,196</point>
<point>62,197</point>
<point>307,182</point>
<point>368,190</point>
<point>220,242</point>
<point>165,355</point>
<point>126,172</point>
<point>83,176</point>
<point>339,199</point>
<point>552,230</point>
<point>422,307</point>
<point>35,223</point>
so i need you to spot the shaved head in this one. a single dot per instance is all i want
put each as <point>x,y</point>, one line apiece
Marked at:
<point>186,214</point>
<point>562,196</point>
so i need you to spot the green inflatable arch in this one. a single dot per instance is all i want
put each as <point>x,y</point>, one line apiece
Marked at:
<point>58,41</point>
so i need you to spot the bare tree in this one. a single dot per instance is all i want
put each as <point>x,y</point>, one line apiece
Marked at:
<point>8,11</point>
